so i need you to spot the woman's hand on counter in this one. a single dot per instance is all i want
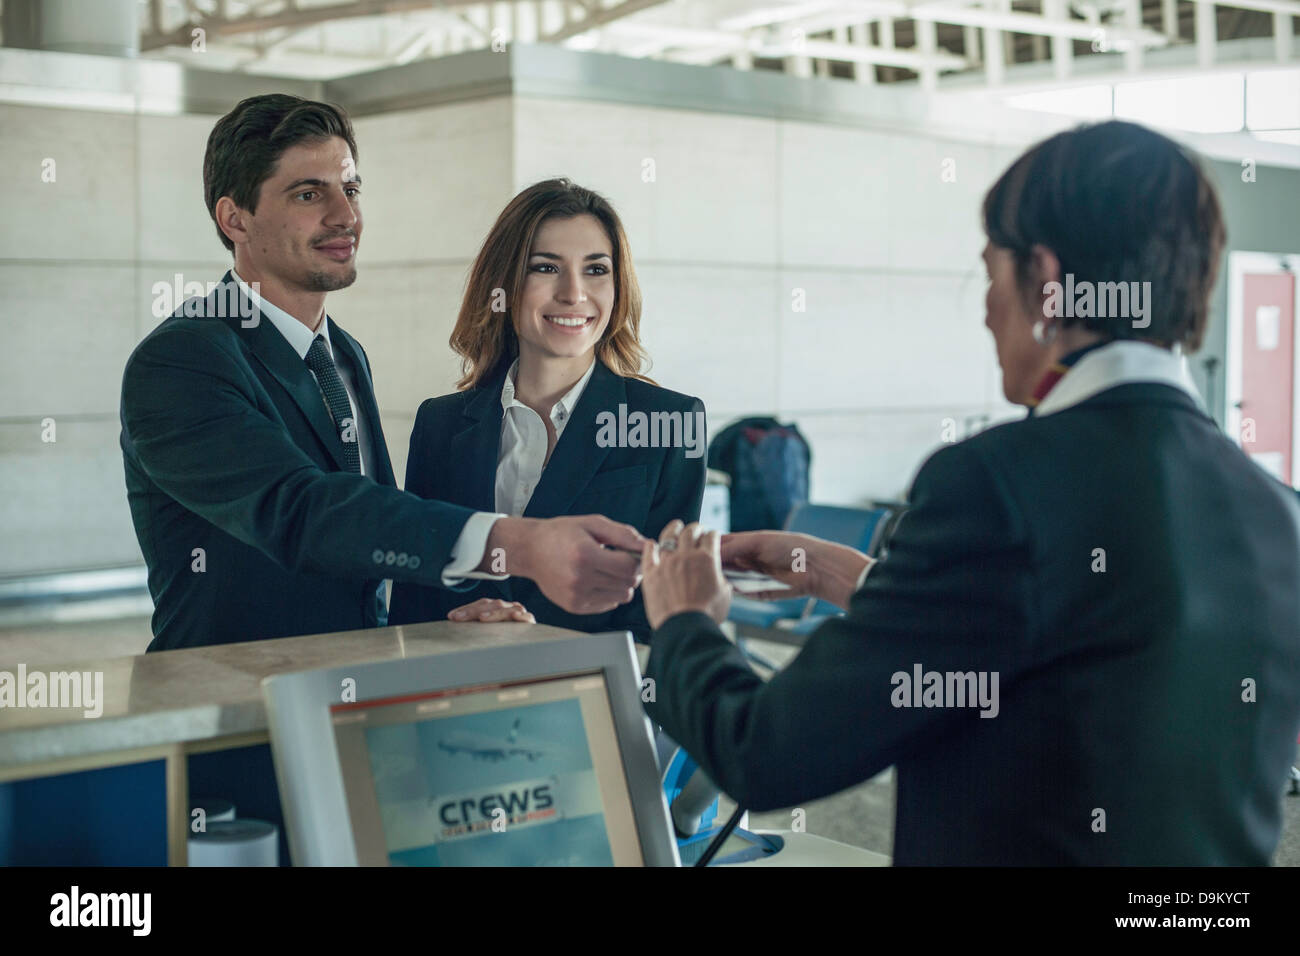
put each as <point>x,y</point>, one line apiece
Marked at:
<point>489,610</point>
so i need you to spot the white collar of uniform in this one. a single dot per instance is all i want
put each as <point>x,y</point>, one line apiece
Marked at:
<point>294,332</point>
<point>1120,363</point>
<point>566,403</point>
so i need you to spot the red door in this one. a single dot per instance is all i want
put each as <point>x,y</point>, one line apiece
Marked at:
<point>1267,368</point>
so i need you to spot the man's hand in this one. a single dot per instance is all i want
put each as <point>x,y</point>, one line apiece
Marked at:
<point>809,565</point>
<point>683,572</point>
<point>491,610</point>
<point>587,564</point>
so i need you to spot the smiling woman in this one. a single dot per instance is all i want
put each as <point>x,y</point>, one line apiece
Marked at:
<point>530,239</point>
<point>548,334</point>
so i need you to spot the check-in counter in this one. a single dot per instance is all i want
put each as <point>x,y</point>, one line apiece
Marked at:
<point>115,789</point>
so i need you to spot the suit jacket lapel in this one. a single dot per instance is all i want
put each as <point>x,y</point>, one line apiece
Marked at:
<point>474,449</point>
<point>577,457</point>
<point>274,352</point>
<point>382,465</point>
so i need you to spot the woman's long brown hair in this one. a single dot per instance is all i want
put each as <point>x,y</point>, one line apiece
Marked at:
<point>484,335</point>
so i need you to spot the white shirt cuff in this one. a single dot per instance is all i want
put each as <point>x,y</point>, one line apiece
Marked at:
<point>468,551</point>
<point>863,576</point>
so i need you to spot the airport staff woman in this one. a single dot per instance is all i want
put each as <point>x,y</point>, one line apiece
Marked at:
<point>1083,645</point>
<point>554,416</point>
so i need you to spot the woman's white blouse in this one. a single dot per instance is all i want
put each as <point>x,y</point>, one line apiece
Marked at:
<point>522,452</point>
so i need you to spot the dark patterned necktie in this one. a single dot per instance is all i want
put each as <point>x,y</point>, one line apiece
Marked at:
<point>336,397</point>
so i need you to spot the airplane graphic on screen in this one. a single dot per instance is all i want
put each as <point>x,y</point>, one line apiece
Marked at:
<point>483,747</point>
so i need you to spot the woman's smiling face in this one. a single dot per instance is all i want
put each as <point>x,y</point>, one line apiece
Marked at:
<point>568,292</point>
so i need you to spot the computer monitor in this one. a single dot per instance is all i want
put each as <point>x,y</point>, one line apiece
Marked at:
<point>532,754</point>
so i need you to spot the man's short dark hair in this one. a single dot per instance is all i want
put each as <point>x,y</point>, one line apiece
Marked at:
<point>1116,202</point>
<point>247,142</point>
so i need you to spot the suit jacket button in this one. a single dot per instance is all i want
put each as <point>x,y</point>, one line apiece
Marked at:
<point>390,557</point>
<point>401,560</point>
<point>413,562</point>
<point>377,556</point>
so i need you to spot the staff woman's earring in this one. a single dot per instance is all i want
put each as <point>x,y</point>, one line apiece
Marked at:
<point>1044,334</point>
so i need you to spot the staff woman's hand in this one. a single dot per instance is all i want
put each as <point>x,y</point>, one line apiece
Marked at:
<point>808,565</point>
<point>489,610</point>
<point>683,572</point>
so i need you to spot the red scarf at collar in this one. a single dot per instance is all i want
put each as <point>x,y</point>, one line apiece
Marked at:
<point>1058,370</point>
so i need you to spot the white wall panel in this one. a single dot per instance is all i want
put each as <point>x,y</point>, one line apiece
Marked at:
<point>433,180</point>
<point>88,211</point>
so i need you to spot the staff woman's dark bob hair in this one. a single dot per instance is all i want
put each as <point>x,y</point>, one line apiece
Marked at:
<point>1116,202</point>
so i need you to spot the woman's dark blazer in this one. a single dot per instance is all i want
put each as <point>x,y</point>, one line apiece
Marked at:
<point>453,458</point>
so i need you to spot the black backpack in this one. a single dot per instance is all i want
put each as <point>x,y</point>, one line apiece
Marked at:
<point>769,465</point>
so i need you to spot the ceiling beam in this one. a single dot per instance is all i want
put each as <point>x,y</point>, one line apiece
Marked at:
<point>782,14</point>
<point>817,18</point>
<point>1288,7</point>
<point>293,18</point>
<point>1033,23</point>
<point>706,45</point>
<point>604,16</point>
<point>855,53</point>
<point>668,36</point>
<point>801,17</point>
<point>413,47</point>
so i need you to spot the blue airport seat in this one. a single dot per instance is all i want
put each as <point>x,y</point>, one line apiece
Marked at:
<point>764,613</point>
<point>855,527</point>
<point>805,626</point>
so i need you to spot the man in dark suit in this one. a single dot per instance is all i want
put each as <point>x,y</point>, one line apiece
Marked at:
<point>1083,644</point>
<point>259,482</point>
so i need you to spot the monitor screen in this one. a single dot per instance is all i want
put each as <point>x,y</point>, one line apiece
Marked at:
<point>511,774</point>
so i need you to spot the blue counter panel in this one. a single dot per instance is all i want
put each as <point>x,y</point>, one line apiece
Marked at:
<point>116,816</point>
